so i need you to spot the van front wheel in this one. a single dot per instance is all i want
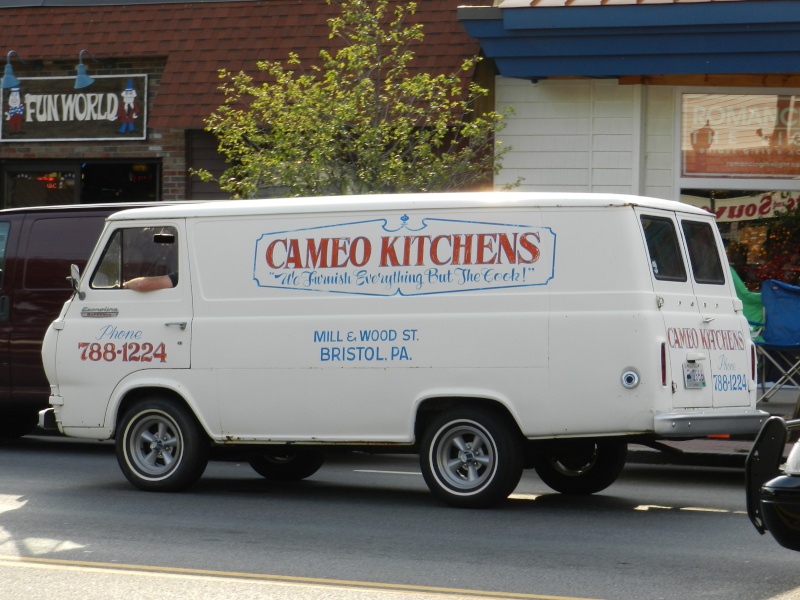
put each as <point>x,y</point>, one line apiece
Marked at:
<point>470,458</point>
<point>160,446</point>
<point>580,467</point>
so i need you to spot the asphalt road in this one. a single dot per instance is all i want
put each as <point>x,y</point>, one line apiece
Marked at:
<point>366,527</point>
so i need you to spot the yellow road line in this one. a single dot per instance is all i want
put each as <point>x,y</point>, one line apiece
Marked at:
<point>387,587</point>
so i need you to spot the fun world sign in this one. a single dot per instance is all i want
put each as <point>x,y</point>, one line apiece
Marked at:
<point>50,109</point>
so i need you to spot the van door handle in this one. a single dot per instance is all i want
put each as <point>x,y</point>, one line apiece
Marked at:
<point>708,319</point>
<point>181,325</point>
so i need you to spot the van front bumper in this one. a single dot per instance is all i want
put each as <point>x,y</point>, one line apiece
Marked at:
<point>703,422</point>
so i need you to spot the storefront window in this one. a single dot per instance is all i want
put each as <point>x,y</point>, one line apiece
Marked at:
<point>740,159</point>
<point>80,183</point>
<point>740,135</point>
<point>761,231</point>
<point>39,188</point>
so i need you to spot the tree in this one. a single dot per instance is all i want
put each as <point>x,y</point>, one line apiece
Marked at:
<point>357,122</point>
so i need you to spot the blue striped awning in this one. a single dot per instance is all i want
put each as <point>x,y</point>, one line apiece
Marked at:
<point>612,38</point>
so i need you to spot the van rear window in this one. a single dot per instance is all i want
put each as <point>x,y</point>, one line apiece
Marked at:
<point>666,260</point>
<point>703,253</point>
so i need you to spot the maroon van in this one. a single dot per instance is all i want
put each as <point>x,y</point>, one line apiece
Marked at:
<point>37,246</point>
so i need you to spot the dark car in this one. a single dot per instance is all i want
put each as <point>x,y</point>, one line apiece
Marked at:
<point>37,246</point>
<point>773,486</point>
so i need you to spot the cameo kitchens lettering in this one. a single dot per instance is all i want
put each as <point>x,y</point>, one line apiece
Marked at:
<point>375,258</point>
<point>705,339</point>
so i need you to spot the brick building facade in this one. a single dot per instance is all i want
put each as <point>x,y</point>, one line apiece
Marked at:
<point>178,50</point>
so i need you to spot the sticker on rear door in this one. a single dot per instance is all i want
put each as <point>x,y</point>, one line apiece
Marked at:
<point>693,376</point>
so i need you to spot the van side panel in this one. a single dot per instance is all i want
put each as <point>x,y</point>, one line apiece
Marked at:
<point>604,321</point>
<point>348,354</point>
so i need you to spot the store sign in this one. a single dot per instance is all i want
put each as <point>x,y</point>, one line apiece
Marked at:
<point>740,135</point>
<point>747,208</point>
<point>50,109</point>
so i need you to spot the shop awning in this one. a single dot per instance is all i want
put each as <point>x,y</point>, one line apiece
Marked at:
<point>535,39</point>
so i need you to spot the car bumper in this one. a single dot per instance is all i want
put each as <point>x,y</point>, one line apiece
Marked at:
<point>780,507</point>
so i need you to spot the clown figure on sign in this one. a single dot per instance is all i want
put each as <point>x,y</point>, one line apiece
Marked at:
<point>16,111</point>
<point>128,108</point>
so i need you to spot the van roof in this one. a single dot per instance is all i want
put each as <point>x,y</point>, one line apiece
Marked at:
<point>327,204</point>
<point>100,206</point>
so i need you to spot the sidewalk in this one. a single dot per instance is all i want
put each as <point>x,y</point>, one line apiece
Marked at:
<point>714,452</point>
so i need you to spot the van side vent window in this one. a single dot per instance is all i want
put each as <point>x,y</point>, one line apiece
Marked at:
<point>666,260</point>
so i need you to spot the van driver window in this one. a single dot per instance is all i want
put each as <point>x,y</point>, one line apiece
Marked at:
<point>666,260</point>
<point>703,252</point>
<point>142,259</point>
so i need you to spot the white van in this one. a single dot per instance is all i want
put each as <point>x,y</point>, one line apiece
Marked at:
<point>488,332</point>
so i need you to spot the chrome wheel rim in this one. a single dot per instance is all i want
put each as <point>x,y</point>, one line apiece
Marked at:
<point>465,457</point>
<point>155,445</point>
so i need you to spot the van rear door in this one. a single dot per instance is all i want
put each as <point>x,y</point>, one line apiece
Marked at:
<point>707,344</point>
<point>724,335</point>
<point>687,363</point>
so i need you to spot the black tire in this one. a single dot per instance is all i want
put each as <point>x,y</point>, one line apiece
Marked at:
<point>471,458</point>
<point>160,446</point>
<point>287,464</point>
<point>15,424</point>
<point>581,467</point>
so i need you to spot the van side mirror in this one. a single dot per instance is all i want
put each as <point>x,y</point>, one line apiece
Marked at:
<point>74,279</point>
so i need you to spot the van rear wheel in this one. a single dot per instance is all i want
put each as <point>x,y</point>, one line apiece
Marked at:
<point>470,458</point>
<point>581,467</point>
<point>160,446</point>
<point>287,464</point>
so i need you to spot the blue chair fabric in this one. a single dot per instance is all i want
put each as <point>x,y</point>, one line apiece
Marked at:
<point>782,309</point>
<point>779,344</point>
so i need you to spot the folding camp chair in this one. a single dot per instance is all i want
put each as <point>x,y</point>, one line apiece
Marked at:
<point>779,344</point>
